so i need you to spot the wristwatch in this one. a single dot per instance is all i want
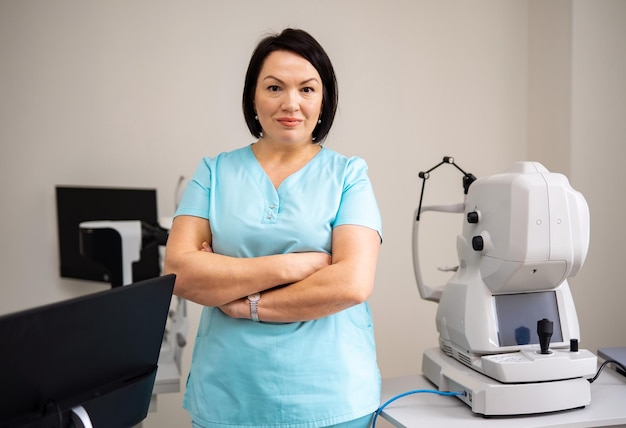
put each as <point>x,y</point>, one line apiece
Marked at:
<point>253,299</point>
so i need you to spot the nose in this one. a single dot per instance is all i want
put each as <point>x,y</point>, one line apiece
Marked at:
<point>291,101</point>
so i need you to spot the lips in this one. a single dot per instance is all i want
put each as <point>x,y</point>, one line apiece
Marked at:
<point>289,122</point>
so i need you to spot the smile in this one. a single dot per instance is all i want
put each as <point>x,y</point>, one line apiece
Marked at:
<point>289,122</point>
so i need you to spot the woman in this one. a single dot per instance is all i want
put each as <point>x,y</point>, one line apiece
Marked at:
<point>279,242</point>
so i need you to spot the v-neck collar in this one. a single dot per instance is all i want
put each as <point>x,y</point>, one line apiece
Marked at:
<point>261,176</point>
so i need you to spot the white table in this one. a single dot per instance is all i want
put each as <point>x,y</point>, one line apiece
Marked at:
<point>607,408</point>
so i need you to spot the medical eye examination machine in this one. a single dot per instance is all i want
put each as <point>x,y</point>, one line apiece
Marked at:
<point>507,324</point>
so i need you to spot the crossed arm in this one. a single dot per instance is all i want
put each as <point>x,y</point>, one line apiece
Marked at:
<point>319,284</point>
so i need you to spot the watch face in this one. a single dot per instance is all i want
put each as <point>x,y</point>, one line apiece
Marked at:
<point>254,297</point>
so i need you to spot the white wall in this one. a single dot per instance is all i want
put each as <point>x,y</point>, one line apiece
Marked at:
<point>598,151</point>
<point>550,83</point>
<point>123,93</point>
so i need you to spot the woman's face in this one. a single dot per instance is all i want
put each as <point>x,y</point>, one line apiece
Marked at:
<point>288,98</point>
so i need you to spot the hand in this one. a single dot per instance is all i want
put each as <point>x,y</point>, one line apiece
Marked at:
<point>239,308</point>
<point>306,264</point>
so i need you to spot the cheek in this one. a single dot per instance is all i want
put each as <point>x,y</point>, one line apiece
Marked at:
<point>270,100</point>
<point>314,108</point>
<point>262,107</point>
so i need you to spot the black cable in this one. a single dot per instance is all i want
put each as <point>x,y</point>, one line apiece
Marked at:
<point>604,364</point>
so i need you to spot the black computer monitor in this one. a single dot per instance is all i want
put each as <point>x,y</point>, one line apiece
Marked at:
<point>77,204</point>
<point>98,351</point>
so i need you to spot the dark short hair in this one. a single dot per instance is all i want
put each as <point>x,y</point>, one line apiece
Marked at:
<point>301,43</point>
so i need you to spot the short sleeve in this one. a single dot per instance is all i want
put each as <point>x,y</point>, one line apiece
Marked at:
<point>358,203</point>
<point>196,197</point>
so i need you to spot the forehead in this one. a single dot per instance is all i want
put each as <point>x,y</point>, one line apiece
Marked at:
<point>286,64</point>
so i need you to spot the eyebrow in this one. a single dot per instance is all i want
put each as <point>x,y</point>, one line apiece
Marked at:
<point>304,82</point>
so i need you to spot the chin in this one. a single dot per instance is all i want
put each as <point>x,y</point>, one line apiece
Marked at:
<point>293,139</point>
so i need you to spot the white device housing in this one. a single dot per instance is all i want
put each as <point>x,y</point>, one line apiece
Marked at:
<point>529,232</point>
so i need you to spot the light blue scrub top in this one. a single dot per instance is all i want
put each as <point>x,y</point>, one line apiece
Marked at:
<point>287,375</point>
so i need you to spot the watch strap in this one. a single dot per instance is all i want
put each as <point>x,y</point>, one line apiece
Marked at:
<point>253,300</point>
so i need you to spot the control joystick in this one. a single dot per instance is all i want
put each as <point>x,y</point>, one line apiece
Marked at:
<point>544,331</point>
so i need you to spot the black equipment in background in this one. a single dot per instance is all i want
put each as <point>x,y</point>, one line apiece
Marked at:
<point>77,204</point>
<point>98,351</point>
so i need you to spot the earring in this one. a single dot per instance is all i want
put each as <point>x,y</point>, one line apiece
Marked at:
<point>319,121</point>
<point>256,117</point>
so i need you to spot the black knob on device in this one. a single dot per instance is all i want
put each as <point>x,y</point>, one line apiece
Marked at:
<point>478,244</point>
<point>472,217</point>
<point>544,331</point>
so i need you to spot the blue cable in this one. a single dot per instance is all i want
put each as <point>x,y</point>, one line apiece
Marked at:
<point>416,391</point>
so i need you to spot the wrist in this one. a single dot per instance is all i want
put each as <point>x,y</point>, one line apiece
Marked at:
<point>253,303</point>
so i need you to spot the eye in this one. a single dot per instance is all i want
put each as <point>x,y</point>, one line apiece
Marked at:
<point>308,90</point>
<point>273,88</point>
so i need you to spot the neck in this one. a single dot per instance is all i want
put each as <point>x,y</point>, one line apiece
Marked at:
<point>279,163</point>
<point>271,151</point>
